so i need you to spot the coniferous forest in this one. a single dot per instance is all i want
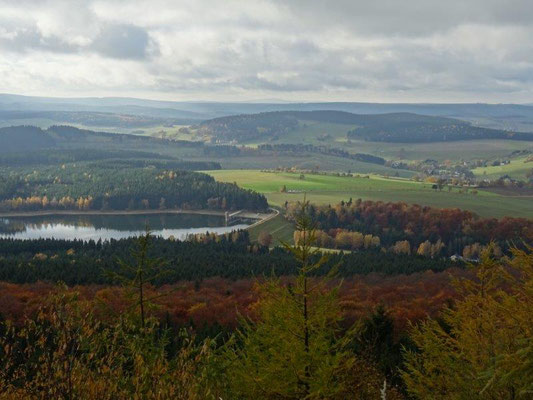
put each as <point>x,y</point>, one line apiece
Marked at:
<point>295,338</point>
<point>116,184</point>
<point>266,200</point>
<point>372,300</point>
<point>369,300</point>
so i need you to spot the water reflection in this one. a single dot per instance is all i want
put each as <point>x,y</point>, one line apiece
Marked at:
<point>95,227</point>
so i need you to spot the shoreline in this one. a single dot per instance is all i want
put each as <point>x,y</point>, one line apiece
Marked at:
<point>41,213</point>
<point>259,218</point>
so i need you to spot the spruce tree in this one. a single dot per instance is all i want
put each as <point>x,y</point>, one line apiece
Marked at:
<point>293,348</point>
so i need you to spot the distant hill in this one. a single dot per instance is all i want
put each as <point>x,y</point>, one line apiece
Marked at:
<point>207,109</point>
<point>136,118</point>
<point>27,145</point>
<point>502,116</point>
<point>24,138</point>
<point>392,127</point>
<point>413,128</point>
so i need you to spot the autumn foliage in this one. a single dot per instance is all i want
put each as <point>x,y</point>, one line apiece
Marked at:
<point>394,225</point>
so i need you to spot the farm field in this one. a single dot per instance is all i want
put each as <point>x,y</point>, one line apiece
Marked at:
<point>322,189</point>
<point>278,227</point>
<point>517,169</point>
<point>310,132</point>
<point>440,151</point>
<point>320,161</point>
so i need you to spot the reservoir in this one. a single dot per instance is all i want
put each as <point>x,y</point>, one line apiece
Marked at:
<point>107,226</point>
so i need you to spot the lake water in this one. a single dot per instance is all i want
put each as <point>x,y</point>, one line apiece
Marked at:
<point>95,227</point>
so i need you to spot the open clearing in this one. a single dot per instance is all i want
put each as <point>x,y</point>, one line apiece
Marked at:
<point>334,135</point>
<point>323,189</point>
<point>303,162</point>
<point>440,151</point>
<point>516,169</point>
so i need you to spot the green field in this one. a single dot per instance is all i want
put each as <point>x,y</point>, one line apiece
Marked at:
<point>516,169</point>
<point>440,151</point>
<point>308,161</point>
<point>278,227</point>
<point>309,132</point>
<point>322,189</point>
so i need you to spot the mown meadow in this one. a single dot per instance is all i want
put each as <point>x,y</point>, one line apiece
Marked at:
<point>329,189</point>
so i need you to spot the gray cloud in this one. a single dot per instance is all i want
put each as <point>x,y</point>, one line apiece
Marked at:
<point>121,41</point>
<point>30,38</point>
<point>411,17</point>
<point>381,50</point>
<point>124,41</point>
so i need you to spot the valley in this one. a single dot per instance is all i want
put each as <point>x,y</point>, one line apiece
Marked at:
<point>215,214</point>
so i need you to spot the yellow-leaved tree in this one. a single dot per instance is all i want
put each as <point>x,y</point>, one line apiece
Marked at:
<point>483,347</point>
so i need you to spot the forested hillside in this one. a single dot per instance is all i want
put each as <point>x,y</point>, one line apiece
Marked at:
<point>230,256</point>
<point>24,138</point>
<point>119,185</point>
<point>308,148</point>
<point>407,229</point>
<point>130,157</point>
<point>371,337</point>
<point>396,127</point>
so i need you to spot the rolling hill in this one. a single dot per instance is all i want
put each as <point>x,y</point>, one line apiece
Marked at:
<point>393,127</point>
<point>27,138</point>
<point>25,144</point>
<point>29,145</point>
<point>517,117</point>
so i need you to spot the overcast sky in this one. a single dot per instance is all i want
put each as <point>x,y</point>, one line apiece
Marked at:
<point>297,50</point>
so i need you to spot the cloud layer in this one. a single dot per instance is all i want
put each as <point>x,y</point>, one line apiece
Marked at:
<point>304,50</point>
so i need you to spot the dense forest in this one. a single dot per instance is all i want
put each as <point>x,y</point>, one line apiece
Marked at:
<point>139,341</point>
<point>230,256</point>
<point>119,185</point>
<point>396,127</point>
<point>390,315</point>
<point>294,150</point>
<point>29,138</point>
<point>418,229</point>
<point>250,126</point>
<point>309,148</point>
<point>412,128</point>
<point>54,156</point>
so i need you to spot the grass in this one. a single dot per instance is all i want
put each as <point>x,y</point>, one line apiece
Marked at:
<point>308,161</point>
<point>331,190</point>
<point>440,151</point>
<point>308,132</point>
<point>516,169</point>
<point>170,132</point>
<point>278,227</point>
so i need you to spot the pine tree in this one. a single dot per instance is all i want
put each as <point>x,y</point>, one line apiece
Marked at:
<point>138,276</point>
<point>294,347</point>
